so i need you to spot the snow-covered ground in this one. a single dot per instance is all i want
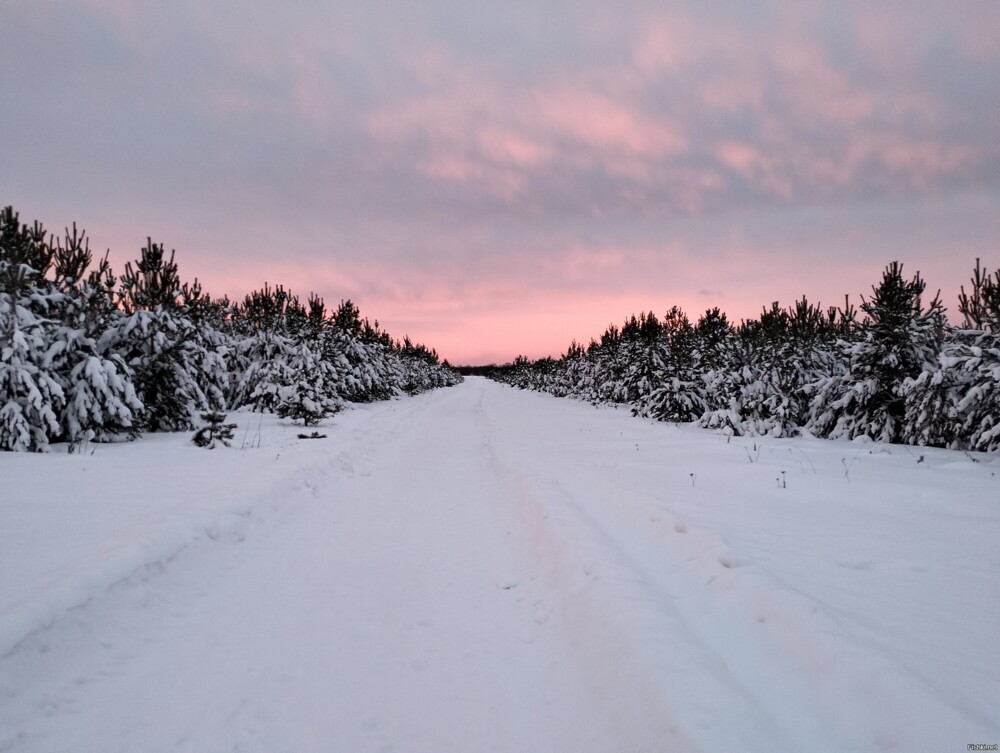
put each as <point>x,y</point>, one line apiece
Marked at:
<point>483,569</point>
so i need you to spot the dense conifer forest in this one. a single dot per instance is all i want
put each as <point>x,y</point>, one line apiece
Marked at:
<point>86,355</point>
<point>895,371</point>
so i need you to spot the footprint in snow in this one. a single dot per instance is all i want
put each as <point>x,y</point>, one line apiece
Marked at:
<point>733,561</point>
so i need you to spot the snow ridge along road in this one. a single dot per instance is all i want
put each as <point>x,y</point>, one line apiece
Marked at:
<point>482,569</point>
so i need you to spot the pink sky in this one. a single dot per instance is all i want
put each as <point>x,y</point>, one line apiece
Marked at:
<point>501,180</point>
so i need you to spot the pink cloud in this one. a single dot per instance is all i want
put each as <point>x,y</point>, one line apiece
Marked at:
<point>755,166</point>
<point>666,42</point>
<point>601,122</point>
<point>498,181</point>
<point>925,159</point>
<point>815,128</point>
<point>474,127</point>
<point>505,146</point>
<point>738,90</point>
<point>814,91</point>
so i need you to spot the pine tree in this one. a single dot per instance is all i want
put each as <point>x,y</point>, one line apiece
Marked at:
<point>931,405</point>
<point>179,372</point>
<point>310,395</point>
<point>679,392</point>
<point>975,364</point>
<point>312,392</point>
<point>30,397</point>
<point>259,360</point>
<point>719,362</point>
<point>645,353</point>
<point>777,356</point>
<point>101,401</point>
<point>898,340</point>
<point>214,432</point>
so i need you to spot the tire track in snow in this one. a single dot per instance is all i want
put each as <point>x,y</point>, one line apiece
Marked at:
<point>639,656</point>
<point>766,656</point>
<point>640,619</point>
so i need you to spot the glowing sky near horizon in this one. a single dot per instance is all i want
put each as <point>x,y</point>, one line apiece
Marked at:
<point>496,179</point>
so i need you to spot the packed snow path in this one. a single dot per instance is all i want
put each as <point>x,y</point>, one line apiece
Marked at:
<point>482,569</point>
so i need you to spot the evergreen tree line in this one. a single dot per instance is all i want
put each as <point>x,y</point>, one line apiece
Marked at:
<point>88,356</point>
<point>895,372</point>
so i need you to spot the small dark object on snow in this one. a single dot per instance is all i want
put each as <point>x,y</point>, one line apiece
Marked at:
<point>314,435</point>
<point>214,432</point>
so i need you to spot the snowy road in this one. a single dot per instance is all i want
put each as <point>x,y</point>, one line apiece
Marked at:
<point>481,569</point>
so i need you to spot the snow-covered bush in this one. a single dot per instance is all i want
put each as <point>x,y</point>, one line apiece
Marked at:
<point>978,407</point>
<point>958,403</point>
<point>214,432</point>
<point>101,401</point>
<point>678,392</point>
<point>310,393</point>
<point>899,340</point>
<point>178,368</point>
<point>30,396</point>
